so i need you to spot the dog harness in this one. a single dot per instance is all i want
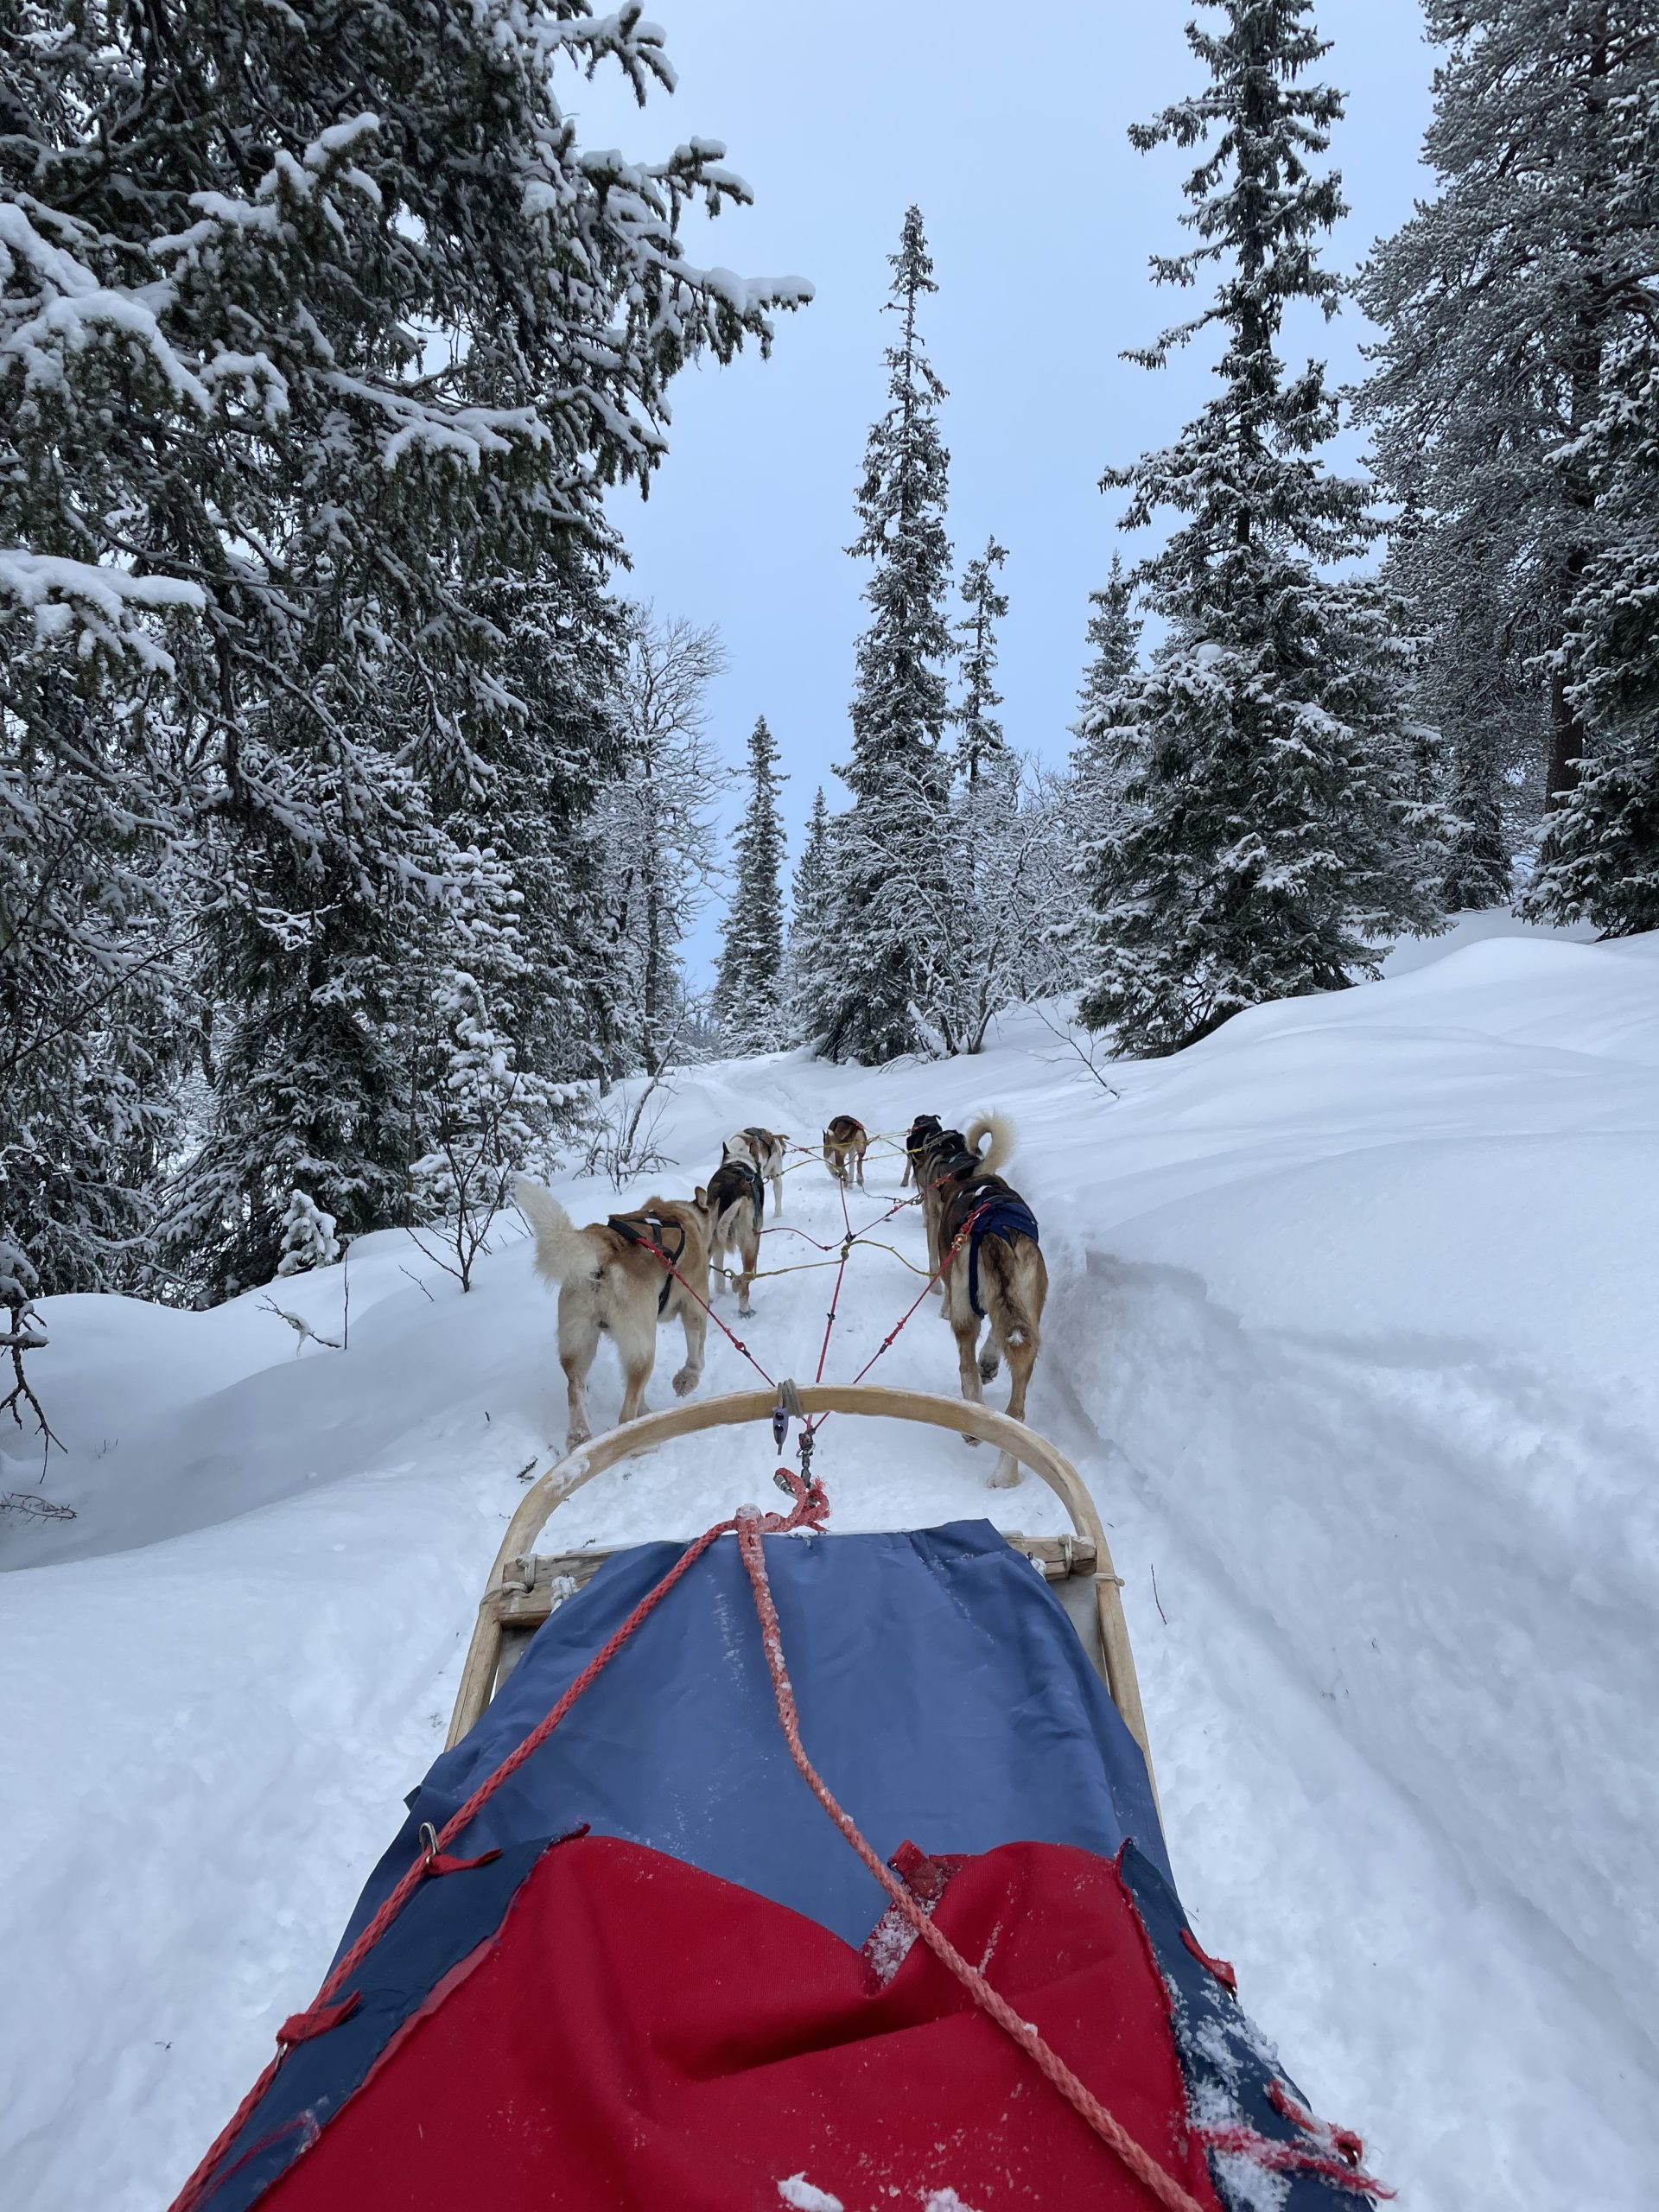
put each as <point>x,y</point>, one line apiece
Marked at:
<point>757,1186</point>
<point>1006,1218</point>
<point>633,1228</point>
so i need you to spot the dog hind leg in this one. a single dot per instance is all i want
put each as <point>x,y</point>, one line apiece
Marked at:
<point>965,1329</point>
<point>745,1282</point>
<point>696,1329</point>
<point>1014,1323</point>
<point>578,1344</point>
<point>636,1347</point>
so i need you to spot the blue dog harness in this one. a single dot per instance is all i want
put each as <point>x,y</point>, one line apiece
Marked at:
<point>1006,1218</point>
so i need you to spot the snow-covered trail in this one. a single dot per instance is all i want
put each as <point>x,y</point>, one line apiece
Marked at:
<point>1348,1331</point>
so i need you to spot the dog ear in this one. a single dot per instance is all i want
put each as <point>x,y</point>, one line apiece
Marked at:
<point>700,1201</point>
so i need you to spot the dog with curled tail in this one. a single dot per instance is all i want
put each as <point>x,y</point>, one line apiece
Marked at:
<point>614,1283</point>
<point>997,1273</point>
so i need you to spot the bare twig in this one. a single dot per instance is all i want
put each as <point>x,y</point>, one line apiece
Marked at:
<point>415,1279</point>
<point>38,1509</point>
<point>25,1335</point>
<point>1067,1036</point>
<point>1156,1599</point>
<point>345,1308</point>
<point>301,1326</point>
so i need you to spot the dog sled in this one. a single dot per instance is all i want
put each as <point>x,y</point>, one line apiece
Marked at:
<point>785,1869</point>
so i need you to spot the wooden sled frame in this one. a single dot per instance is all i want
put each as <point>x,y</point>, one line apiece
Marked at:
<point>501,1602</point>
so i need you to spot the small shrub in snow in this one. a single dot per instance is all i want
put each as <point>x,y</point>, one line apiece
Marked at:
<point>308,1238</point>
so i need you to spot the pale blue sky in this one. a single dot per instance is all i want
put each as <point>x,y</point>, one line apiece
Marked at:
<point>1007,126</point>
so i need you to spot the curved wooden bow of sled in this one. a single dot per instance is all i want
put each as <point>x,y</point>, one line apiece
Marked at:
<point>504,1606</point>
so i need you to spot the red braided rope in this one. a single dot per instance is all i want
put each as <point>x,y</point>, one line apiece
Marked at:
<point>956,1243</point>
<point>656,1252</point>
<point>1288,2158</point>
<point>1083,2100</point>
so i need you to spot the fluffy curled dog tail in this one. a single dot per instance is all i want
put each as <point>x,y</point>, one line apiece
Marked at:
<point>999,1150</point>
<point>561,1247</point>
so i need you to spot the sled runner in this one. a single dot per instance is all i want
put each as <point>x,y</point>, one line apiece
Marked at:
<point>787,1868</point>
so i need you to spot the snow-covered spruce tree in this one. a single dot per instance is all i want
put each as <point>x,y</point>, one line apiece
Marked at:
<point>308,1238</point>
<point>1479,863</point>
<point>228,389</point>
<point>1500,302</point>
<point>813,975</point>
<point>887,851</point>
<point>92,1015</point>
<point>520,778</point>
<point>981,749</point>
<point>1113,635</point>
<point>485,1116</point>
<point>969,910</point>
<point>1270,840</point>
<point>1093,801</point>
<point>1470,684</point>
<point>92,779</point>
<point>655,824</point>
<point>1600,857</point>
<point>748,1000</point>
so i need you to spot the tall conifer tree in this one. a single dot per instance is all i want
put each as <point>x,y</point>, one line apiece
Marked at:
<point>1271,840</point>
<point>1600,856</point>
<point>1112,634</point>
<point>981,749</point>
<point>749,985</point>
<point>1502,303</point>
<point>887,871</point>
<point>812,969</point>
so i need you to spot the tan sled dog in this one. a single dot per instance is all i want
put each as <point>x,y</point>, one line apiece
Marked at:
<point>737,1199</point>
<point>766,1148</point>
<point>611,1285</point>
<point>997,1275</point>
<point>845,1142</point>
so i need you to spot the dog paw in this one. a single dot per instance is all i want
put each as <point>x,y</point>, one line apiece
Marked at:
<point>1007,1474</point>
<point>686,1381</point>
<point>576,1436</point>
<point>988,1363</point>
<point>745,1313</point>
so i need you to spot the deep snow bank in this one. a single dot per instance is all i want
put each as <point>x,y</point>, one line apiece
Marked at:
<point>1350,1329</point>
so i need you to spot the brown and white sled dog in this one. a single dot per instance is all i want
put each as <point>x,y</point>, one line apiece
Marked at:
<point>737,1200</point>
<point>946,1159</point>
<point>611,1285</point>
<point>766,1148</point>
<point>997,1275</point>
<point>845,1142</point>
